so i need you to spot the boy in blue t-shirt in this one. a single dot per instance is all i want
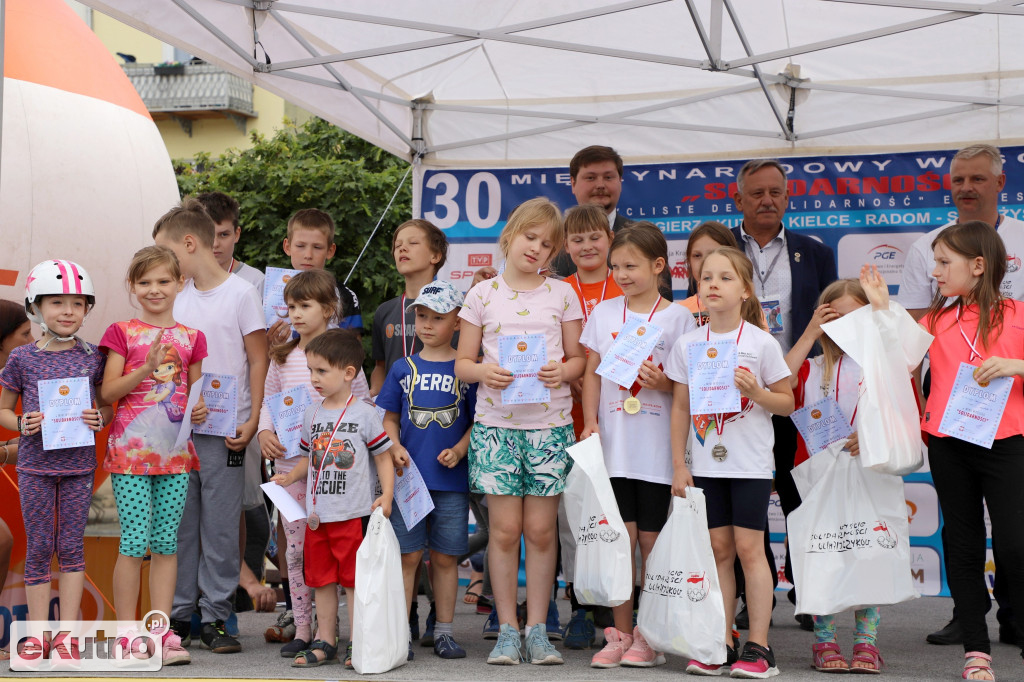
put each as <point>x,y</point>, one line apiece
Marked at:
<point>430,412</point>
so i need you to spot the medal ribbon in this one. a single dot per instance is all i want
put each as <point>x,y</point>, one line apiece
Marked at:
<point>604,288</point>
<point>635,388</point>
<point>839,371</point>
<point>974,349</point>
<point>329,441</point>
<point>720,416</point>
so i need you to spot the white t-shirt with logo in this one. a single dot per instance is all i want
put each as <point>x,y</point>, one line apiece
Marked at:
<point>636,446</point>
<point>918,286</point>
<point>748,435</point>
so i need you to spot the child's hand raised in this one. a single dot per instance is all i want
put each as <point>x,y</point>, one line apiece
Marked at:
<point>495,376</point>
<point>875,287</point>
<point>384,504</point>
<point>551,374</point>
<point>822,314</point>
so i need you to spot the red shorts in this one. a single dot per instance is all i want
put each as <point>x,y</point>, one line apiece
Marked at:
<point>329,555</point>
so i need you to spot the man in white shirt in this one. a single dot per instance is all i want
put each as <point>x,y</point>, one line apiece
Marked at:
<point>976,180</point>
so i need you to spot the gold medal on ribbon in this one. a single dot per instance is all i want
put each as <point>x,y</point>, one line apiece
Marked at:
<point>631,405</point>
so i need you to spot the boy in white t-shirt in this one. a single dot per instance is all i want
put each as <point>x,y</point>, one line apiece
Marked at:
<point>228,311</point>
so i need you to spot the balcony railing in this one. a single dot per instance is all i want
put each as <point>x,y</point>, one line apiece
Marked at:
<point>191,91</point>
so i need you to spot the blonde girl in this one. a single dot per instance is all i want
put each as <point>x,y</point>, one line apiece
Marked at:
<point>151,363</point>
<point>517,450</point>
<point>732,457</point>
<point>833,375</point>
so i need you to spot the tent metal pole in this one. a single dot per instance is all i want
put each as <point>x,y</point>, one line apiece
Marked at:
<point>938,6</point>
<point>220,35</point>
<point>715,30</point>
<point>910,118</point>
<point>398,132</point>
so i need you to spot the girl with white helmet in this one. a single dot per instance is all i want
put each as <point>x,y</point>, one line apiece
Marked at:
<point>55,484</point>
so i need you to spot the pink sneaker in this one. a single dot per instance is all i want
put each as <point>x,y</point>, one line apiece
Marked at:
<point>756,662</point>
<point>616,644</point>
<point>172,651</point>
<point>695,667</point>
<point>641,655</point>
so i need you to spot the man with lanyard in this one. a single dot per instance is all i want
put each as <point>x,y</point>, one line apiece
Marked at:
<point>976,180</point>
<point>790,272</point>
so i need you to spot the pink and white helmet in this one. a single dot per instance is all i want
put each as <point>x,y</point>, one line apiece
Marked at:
<point>57,277</point>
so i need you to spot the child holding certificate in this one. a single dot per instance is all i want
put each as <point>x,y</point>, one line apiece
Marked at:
<point>341,437</point>
<point>637,331</point>
<point>55,378</point>
<point>152,362</point>
<point>431,411</point>
<point>730,378</point>
<point>828,385</point>
<point>977,361</point>
<point>312,300</point>
<point>523,421</point>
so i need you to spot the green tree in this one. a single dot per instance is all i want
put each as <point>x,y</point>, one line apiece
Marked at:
<point>315,165</point>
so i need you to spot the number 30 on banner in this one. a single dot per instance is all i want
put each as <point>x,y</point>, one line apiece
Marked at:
<point>480,204</point>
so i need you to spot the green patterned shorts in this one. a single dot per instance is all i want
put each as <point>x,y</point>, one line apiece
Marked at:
<point>519,462</point>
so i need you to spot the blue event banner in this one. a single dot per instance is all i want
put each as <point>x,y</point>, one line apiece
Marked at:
<point>830,196</point>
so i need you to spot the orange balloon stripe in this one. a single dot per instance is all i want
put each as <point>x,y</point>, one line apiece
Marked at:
<point>48,44</point>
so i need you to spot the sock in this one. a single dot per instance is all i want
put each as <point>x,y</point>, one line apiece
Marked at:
<point>529,629</point>
<point>441,629</point>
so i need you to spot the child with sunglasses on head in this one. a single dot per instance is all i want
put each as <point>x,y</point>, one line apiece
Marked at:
<point>430,412</point>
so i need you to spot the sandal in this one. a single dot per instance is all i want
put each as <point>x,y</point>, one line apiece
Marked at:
<point>294,648</point>
<point>867,654</point>
<point>311,660</point>
<point>982,663</point>
<point>472,597</point>
<point>828,652</point>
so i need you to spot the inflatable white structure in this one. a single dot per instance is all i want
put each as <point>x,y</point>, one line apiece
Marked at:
<point>84,173</point>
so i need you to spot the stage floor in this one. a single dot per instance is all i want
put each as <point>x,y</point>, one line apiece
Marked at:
<point>901,641</point>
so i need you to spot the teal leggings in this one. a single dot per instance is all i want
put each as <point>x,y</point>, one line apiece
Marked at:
<point>149,508</point>
<point>865,631</point>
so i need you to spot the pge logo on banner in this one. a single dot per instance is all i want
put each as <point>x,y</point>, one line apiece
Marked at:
<point>42,646</point>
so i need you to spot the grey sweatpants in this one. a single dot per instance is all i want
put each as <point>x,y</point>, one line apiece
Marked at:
<point>208,558</point>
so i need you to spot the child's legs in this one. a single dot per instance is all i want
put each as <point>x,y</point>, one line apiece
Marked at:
<point>302,606</point>
<point>38,511</point>
<point>540,516</point>
<point>169,492</point>
<point>186,588</point>
<point>410,565</point>
<point>411,542</point>
<point>134,497</point>
<point>825,628</point>
<point>505,515</point>
<point>749,498</point>
<point>545,467</point>
<point>723,546</point>
<point>327,612</point>
<point>219,510</point>
<point>866,625</point>
<point>448,525</point>
<point>644,509</point>
<point>74,495</point>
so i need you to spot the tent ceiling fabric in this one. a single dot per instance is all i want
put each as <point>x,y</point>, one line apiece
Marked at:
<point>529,82</point>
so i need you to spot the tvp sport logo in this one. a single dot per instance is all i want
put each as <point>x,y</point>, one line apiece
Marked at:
<point>40,646</point>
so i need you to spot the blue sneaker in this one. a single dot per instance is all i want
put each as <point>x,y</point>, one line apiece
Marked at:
<point>446,647</point>
<point>428,628</point>
<point>553,627</point>
<point>540,651</point>
<point>491,629</point>
<point>507,649</point>
<point>579,632</point>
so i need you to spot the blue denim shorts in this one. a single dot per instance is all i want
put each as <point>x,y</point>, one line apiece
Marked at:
<point>445,530</point>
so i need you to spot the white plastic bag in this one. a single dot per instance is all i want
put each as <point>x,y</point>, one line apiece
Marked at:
<point>380,627</point>
<point>604,562</point>
<point>887,344</point>
<point>681,609</point>
<point>849,539</point>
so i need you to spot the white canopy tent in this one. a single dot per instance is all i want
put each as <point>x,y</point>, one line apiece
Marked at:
<point>529,82</point>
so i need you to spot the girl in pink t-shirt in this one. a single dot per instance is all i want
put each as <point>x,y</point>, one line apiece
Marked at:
<point>152,361</point>
<point>517,445</point>
<point>974,324</point>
